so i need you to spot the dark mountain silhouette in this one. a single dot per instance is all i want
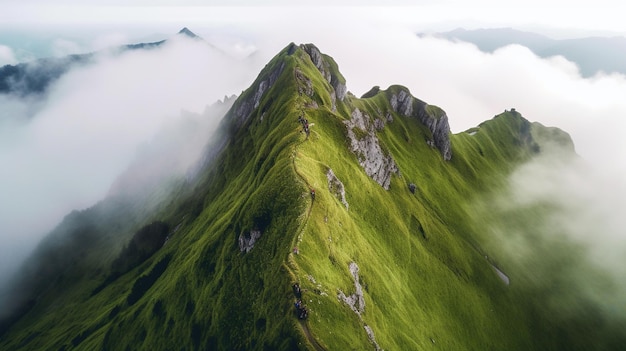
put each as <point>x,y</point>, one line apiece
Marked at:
<point>34,77</point>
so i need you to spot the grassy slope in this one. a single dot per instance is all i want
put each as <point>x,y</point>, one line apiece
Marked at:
<point>427,283</point>
<point>422,290</point>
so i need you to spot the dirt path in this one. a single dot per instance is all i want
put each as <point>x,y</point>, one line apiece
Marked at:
<point>310,338</point>
<point>303,323</point>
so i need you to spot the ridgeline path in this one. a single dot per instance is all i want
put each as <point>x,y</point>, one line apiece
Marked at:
<point>303,323</point>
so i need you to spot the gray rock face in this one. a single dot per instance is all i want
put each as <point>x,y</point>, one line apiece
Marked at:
<point>440,129</point>
<point>403,103</point>
<point>305,86</point>
<point>336,187</point>
<point>355,301</point>
<point>247,240</point>
<point>259,93</point>
<point>243,110</point>
<point>370,335</point>
<point>378,165</point>
<point>339,89</point>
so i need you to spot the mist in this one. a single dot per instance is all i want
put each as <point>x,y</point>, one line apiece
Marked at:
<point>63,151</point>
<point>557,230</point>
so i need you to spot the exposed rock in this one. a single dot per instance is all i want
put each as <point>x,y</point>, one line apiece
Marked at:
<point>305,86</point>
<point>389,117</point>
<point>259,93</point>
<point>243,109</point>
<point>335,80</point>
<point>370,335</point>
<point>402,103</point>
<point>412,188</point>
<point>437,121</point>
<point>316,58</point>
<point>376,163</point>
<point>336,187</point>
<point>340,88</point>
<point>333,102</point>
<point>311,104</point>
<point>379,124</point>
<point>355,301</point>
<point>440,130</point>
<point>247,240</point>
<point>360,120</point>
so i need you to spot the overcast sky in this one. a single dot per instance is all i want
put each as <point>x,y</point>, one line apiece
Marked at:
<point>373,45</point>
<point>600,15</point>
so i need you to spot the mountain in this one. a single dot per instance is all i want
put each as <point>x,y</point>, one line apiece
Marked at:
<point>592,55</point>
<point>362,208</point>
<point>34,77</point>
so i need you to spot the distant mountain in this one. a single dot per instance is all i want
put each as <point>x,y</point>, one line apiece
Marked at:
<point>187,32</point>
<point>592,55</point>
<point>34,77</point>
<point>315,220</point>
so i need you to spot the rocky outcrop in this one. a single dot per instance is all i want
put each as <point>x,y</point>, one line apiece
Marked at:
<point>376,163</point>
<point>370,335</point>
<point>305,86</point>
<point>248,239</point>
<point>402,103</point>
<point>440,129</point>
<point>355,301</point>
<point>333,77</point>
<point>242,110</point>
<point>432,117</point>
<point>336,187</point>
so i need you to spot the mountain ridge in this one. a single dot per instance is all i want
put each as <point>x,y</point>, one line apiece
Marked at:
<point>593,55</point>
<point>34,77</point>
<point>300,188</point>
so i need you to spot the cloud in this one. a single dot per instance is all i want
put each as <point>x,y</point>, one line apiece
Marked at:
<point>109,40</point>
<point>557,230</point>
<point>64,152</point>
<point>64,47</point>
<point>7,57</point>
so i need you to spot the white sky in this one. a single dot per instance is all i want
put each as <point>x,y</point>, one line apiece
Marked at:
<point>600,15</point>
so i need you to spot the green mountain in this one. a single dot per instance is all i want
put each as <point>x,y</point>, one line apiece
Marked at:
<point>363,208</point>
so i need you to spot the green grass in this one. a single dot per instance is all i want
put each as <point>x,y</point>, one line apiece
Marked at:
<point>426,281</point>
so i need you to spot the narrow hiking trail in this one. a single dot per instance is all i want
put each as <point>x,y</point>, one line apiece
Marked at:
<point>305,128</point>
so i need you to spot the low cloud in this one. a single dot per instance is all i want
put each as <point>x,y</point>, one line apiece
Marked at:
<point>64,151</point>
<point>557,230</point>
<point>64,47</point>
<point>7,57</point>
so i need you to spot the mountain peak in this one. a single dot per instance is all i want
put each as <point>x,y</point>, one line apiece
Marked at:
<point>187,32</point>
